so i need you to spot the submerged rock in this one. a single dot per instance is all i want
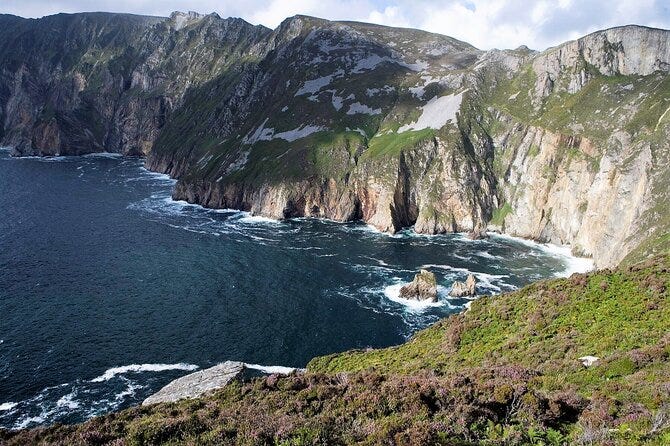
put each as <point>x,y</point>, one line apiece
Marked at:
<point>478,234</point>
<point>423,287</point>
<point>198,383</point>
<point>467,288</point>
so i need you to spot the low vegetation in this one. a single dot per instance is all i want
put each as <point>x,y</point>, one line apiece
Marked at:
<point>505,372</point>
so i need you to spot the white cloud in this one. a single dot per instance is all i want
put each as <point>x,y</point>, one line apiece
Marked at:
<point>483,23</point>
<point>390,16</point>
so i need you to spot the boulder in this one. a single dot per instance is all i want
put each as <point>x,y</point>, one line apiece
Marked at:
<point>467,288</point>
<point>198,383</point>
<point>423,287</point>
<point>588,361</point>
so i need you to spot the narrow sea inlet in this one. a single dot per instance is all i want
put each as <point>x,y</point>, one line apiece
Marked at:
<point>109,289</point>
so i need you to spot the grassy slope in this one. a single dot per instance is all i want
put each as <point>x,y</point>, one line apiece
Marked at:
<point>504,372</point>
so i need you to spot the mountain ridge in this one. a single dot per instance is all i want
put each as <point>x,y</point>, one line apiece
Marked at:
<point>347,120</point>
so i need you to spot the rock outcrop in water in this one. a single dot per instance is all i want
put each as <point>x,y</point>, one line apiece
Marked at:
<point>464,289</point>
<point>422,288</point>
<point>350,121</point>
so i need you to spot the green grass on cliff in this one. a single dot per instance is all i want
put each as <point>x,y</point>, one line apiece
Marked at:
<point>500,214</point>
<point>504,372</point>
<point>391,144</point>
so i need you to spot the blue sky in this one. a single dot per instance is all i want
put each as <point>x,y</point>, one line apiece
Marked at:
<point>483,23</point>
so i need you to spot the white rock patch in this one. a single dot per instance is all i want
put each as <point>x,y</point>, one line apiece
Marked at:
<point>418,91</point>
<point>315,85</point>
<point>266,134</point>
<point>358,130</point>
<point>373,60</point>
<point>375,91</point>
<point>260,134</point>
<point>436,113</point>
<point>298,133</point>
<point>357,108</point>
<point>588,361</point>
<point>337,101</point>
<point>238,164</point>
<point>370,63</point>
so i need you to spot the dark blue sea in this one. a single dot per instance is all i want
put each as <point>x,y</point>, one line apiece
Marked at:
<point>109,289</point>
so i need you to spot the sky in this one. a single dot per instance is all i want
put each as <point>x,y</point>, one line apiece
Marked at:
<point>485,24</point>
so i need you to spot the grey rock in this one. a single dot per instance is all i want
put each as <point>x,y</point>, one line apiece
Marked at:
<point>197,383</point>
<point>463,289</point>
<point>422,288</point>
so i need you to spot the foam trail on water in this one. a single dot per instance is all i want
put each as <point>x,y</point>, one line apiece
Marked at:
<point>136,368</point>
<point>7,406</point>
<point>67,401</point>
<point>158,175</point>
<point>103,155</point>
<point>486,255</point>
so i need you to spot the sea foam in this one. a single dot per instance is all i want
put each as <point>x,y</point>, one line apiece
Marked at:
<point>573,264</point>
<point>7,406</point>
<point>270,369</point>
<point>137,368</point>
<point>392,292</point>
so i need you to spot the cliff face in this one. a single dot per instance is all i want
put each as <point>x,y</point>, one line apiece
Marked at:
<point>354,121</point>
<point>81,83</point>
<point>581,144</point>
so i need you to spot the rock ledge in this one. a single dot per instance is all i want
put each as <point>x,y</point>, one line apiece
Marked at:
<point>198,383</point>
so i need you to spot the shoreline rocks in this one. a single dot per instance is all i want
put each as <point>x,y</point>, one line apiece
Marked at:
<point>422,288</point>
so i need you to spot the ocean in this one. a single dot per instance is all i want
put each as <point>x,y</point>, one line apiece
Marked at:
<point>109,289</point>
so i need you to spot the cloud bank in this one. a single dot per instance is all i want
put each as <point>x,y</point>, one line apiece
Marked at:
<point>483,23</point>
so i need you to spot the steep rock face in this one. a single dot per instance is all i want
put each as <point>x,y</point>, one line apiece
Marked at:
<point>581,144</point>
<point>589,201</point>
<point>353,121</point>
<point>81,83</point>
<point>627,50</point>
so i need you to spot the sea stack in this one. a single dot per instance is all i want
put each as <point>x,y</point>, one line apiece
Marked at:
<point>422,288</point>
<point>462,289</point>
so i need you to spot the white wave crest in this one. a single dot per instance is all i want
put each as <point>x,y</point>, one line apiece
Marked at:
<point>137,368</point>
<point>258,219</point>
<point>271,368</point>
<point>392,292</point>
<point>7,406</point>
<point>572,263</point>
